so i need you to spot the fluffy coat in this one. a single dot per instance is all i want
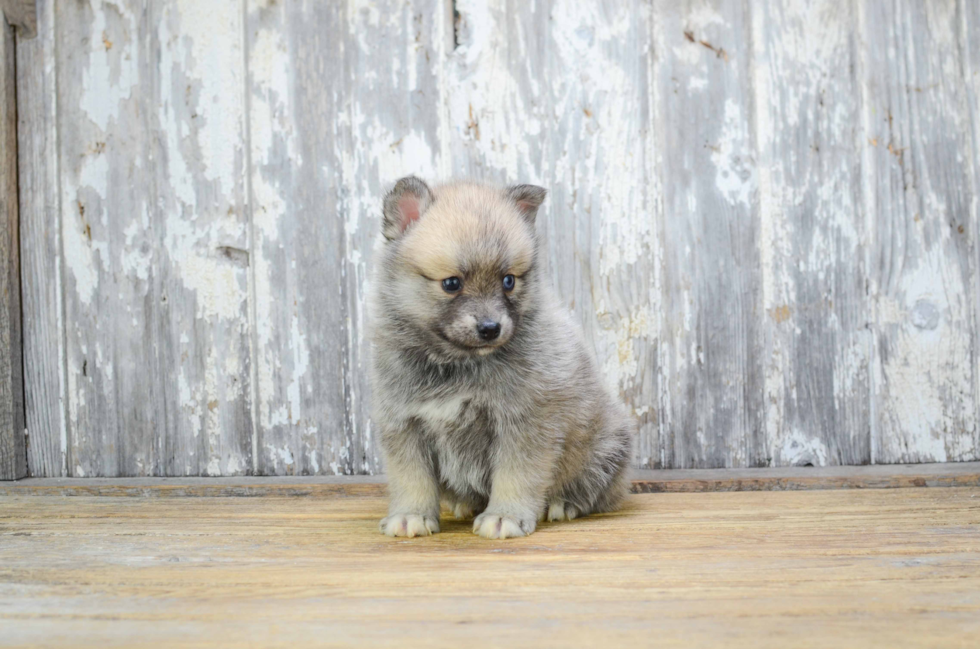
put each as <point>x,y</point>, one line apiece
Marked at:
<point>484,391</point>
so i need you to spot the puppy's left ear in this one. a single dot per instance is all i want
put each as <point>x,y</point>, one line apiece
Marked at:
<point>528,199</point>
<point>404,205</point>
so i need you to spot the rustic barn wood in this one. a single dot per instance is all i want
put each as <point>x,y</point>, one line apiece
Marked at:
<point>560,95</point>
<point>13,451</point>
<point>21,14</point>
<point>712,288</point>
<point>41,252</point>
<point>844,568</point>
<point>343,100</point>
<point>764,215</point>
<point>921,201</point>
<point>794,478</point>
<point>151,134</point>
<point>812,230</point>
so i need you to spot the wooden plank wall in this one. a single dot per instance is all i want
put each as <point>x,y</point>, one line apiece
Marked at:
<point>13,452</point>
<point>764,214</point>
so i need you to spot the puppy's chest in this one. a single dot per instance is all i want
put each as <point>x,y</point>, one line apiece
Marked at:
<point>460,426</point>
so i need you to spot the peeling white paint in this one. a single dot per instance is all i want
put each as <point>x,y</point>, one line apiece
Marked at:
<point>136,260</point>
<point>78,259</point>
<point>579,121</point>
<point>799,448</point>
<point>920,379</point>
<point>212,35</point>
<point>735,176</point>
<point>109,77</point>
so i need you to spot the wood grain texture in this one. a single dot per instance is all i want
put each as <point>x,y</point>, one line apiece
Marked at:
<point>558,94</point>
<point>921,197</point>
<point>22,14</point>
<point>13,451</point>
<point>734,194</point>
<point>344,99</point>
<point>882,476</point>
<point>151,132</point>
<point>970,47</point>
<point>891,568</point>
<point>297,88</point>
<point>713,369</point>
<point>812,234</point>
<point>396,129</point>
<point>45,395</point>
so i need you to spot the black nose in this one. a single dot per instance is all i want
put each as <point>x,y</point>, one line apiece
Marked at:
<point>488,329</point>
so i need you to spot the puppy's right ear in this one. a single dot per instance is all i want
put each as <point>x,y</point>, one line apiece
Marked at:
<point>528,199</point>
<point>404,205</point>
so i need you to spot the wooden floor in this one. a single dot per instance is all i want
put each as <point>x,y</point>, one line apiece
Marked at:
<point>846,568</point>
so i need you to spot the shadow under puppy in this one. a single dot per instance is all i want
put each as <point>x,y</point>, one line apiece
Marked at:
<point>484,391</point>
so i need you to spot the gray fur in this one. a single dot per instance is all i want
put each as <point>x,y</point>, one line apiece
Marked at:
<point>520,430</point>
<point>528,199</point>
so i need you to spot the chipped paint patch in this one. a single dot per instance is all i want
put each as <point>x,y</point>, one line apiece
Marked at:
<point>619,345</point>
<point>732,155</point>
<point>110,76</point>
<point>799,448</point>
<point>561,102</point>
<point>213,51</point>
<point>924,387</point>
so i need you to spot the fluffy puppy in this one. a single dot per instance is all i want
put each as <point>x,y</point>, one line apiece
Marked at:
<point>484,391</point>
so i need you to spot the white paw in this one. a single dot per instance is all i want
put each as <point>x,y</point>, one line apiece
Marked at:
<point>409,525</point>
<point>462,511</point>
<point>559,511</point>
<point>497,526</point>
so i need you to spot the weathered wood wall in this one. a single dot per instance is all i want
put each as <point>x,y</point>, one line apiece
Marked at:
<point>764,214</point>
<point>13,454</point>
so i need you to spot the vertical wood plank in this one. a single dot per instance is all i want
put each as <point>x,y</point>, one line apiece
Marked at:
<point>713,310</point>
<point>40,245</point>
<point>198,220</point>
<point>559,94</point>
<point>921,195</point>
<point>13,454</point>
<point>200,190</point>
<point>151,143</point>
<point>808,121</point>
<point>297,89</point>
<point>344,99</point>
<point>969,39</point>
<point>395,55</point>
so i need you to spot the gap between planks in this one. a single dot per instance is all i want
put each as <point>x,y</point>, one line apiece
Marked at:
<point>959,474</point>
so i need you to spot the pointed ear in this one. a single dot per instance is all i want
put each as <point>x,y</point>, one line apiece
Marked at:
<point>404,205</point>
<point>528,199</point>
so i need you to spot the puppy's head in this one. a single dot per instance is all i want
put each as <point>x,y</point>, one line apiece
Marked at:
<point>459,264</point>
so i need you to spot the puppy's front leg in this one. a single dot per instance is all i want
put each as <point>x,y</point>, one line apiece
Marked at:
<point>523,466</point>
<point>413,508</point>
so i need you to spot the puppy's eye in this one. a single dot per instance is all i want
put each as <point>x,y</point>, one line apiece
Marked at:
<point>451,284</point>
<point>509,282</point>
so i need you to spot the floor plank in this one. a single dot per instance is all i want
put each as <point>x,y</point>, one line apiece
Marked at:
<point>863,568</point>
<point>890,476</point>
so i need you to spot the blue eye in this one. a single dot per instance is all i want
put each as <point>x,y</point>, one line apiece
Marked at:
<point>509,282</point>
<point>451,284</point>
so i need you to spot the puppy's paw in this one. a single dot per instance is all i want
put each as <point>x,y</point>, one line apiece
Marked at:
<point>500,526</point>
<point>409,525</point>
<point>562,511</point>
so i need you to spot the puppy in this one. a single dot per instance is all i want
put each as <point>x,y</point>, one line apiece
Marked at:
<point>484,391</point>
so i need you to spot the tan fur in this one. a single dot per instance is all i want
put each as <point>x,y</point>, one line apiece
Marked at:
<point>462,212</point>
<point>516,428</point>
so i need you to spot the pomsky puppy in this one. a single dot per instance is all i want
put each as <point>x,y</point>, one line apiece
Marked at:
<point>484,391</point>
